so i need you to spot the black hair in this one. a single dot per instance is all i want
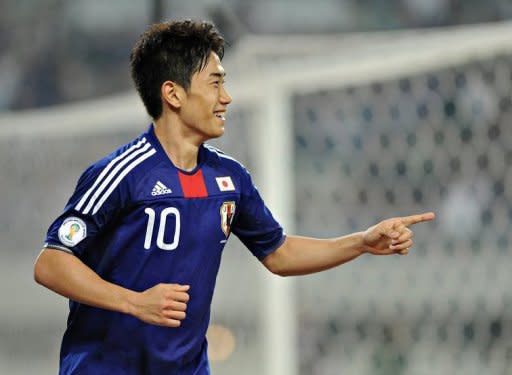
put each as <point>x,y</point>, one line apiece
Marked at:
<point>171,51</point>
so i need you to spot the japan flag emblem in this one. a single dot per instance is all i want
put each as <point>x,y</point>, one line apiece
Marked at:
<point>227,211</point>
<point>225,183</point>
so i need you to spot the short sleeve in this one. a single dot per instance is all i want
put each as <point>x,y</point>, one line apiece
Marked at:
<point>254,224</point>
<point>95,203</point>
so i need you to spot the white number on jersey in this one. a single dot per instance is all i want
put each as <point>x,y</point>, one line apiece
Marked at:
<point>161,229</point>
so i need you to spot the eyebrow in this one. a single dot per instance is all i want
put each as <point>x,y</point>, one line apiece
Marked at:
<point>218,74</point>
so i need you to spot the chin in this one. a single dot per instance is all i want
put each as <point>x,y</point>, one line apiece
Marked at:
<point>213,136</point>
<point>218,133</point>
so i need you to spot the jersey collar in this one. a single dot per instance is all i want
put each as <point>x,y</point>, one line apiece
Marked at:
<point>202,155</point>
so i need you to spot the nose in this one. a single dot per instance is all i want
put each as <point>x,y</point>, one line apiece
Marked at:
<point>225,98</point>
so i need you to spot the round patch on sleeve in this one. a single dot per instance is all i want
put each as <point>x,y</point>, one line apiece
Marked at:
<point>72,231</point>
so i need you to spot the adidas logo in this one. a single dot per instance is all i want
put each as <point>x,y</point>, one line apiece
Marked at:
<point>160,189</point>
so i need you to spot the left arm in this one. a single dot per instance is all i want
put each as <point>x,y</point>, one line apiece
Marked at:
<point>303,255</point>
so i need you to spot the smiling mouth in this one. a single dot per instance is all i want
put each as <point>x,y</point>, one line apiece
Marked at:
<point>220,115</point>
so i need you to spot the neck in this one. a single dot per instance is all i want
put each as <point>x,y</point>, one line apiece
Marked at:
<point>182,150</point>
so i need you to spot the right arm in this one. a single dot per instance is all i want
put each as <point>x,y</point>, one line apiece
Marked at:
<point>67,275</point>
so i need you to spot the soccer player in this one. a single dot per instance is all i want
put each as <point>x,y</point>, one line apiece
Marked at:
<point>139,243</point>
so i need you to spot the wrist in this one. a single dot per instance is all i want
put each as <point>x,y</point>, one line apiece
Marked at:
<point>352,243</point>
<point>130,303</point>
<point>359,243</point>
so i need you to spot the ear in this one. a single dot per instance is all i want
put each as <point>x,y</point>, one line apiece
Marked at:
<point>172,94</point>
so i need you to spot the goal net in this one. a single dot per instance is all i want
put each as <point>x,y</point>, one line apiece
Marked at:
<point>416,129</point>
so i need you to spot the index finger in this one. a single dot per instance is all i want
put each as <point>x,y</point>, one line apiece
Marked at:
<point>415,219</point>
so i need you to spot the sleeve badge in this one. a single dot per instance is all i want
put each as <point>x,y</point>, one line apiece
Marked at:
<point>72,231</point>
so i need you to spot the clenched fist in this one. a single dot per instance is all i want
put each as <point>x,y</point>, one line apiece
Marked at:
<point>163,304</point>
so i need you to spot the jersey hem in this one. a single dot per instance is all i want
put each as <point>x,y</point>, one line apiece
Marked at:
<point>272,249</point>
<point>58,247</point>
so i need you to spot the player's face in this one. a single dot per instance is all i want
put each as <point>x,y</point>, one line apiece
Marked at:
<point>204,109</point>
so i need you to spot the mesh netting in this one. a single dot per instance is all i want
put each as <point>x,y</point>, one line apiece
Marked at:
<point>437,141</point>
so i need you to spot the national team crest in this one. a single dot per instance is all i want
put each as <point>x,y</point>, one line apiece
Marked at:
<point>227,211</point>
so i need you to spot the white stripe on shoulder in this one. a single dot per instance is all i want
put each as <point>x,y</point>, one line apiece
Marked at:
<point>136,162</point>
<point>221,155</point>
<point>112,174</point>
<point>103,173</point>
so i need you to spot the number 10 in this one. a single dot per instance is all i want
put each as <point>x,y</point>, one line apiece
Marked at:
<point>161,229</point>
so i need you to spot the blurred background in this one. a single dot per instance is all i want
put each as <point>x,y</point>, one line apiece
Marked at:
<point>346,112</point>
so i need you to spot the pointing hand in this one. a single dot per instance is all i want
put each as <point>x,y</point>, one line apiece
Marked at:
<point>392,236</point>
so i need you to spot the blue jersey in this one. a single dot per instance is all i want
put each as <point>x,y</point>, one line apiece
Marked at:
<point>138,221</point>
